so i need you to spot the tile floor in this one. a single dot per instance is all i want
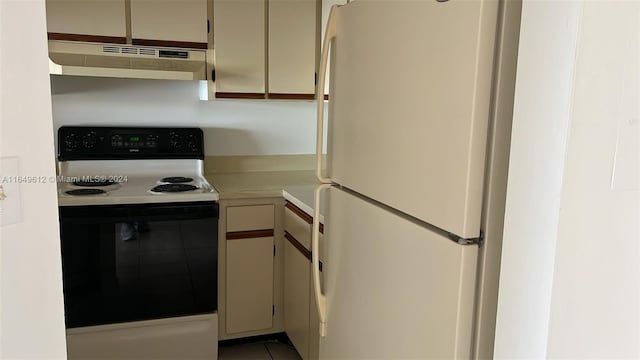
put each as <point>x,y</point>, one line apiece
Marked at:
<point>262,350</point>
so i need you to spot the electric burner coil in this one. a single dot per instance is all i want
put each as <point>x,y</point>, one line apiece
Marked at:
<point>172,188</point>
<point>84,192</point>
<point>176,179</point>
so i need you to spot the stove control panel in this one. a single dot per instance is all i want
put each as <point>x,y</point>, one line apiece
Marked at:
<point>87,143</point>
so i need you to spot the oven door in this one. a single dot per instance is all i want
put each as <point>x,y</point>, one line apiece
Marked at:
<point>135,262</point>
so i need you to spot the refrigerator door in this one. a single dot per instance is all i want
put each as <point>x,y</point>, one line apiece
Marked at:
<point>409,106</point>
<point>394,289</point>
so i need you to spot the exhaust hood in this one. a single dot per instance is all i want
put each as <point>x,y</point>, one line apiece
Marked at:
<point>126,61</point>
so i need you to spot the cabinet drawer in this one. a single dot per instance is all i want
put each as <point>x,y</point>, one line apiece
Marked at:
<point>298,227</point>
<point>246,218</point>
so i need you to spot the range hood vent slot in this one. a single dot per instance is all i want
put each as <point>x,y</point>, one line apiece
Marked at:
<point>145,51</point>
<point>111,49</point>
<point>129,50</point>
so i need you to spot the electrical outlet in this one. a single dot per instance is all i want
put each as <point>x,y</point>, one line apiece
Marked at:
<point>11,202</point>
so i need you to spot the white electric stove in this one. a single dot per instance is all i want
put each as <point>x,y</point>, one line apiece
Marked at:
<point>139,239</point>
<point>103,182</point>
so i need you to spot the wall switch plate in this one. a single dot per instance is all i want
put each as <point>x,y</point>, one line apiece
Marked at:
<point>11,203</point>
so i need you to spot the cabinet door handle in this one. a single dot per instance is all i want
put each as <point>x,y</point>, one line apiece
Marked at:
<point>329,35</point>
<point>321,299</point>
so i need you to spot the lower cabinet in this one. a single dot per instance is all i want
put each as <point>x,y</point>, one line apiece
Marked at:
<point>251,268</point>
<point>265,273</point>
<point>300,312</point>
<point>297,301</point>
<point>249,284</point>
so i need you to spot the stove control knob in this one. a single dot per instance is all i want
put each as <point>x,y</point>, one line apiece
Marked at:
<point>89,140</point>
<point>116,141</point>
<point>71,141</point>
<point>175,141</point>
<point>151,141</point>
<point>191,143</point>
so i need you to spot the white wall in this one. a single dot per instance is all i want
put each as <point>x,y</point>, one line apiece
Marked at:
<point>232,127</point>
<point>569,285</point>
<point>31,305</point>
<point>595,307</point>
<point>547,46</point>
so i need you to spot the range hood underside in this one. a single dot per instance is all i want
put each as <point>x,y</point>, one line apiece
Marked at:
<point>103,60</point>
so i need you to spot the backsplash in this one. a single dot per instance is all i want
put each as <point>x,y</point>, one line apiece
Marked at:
<point>232,127</point>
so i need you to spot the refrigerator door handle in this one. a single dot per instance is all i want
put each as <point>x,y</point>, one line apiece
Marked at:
<point>321,299</point>
<point>330,33</point>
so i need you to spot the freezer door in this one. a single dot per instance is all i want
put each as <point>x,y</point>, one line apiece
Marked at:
<point>394,289</point>
<point>409,106</point>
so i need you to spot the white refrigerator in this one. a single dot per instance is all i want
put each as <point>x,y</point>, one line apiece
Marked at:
<point>419,108</point>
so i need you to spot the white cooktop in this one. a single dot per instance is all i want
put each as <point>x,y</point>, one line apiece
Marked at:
<point>134,180</point>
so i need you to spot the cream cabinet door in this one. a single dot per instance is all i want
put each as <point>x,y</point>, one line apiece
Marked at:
<point>161,22</point>
<point>96,18</point>
<point>301,314</point>
<point>240,52</point>
<point>249,268</point>
<point>292,47</point>
<point>297,273</point>
<point>249,284</point>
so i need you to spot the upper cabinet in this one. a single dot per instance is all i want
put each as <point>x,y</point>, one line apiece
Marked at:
<point>293,29</point>
<point>261,49</point>
<point>96,20</point>
<point>171,23</point>
<point>179,23</point>
<point>265,49</point>
<point>240,50</point>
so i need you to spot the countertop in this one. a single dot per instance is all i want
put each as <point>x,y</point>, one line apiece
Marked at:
<point>258,183</point>
<point>298,187</point>
<point>303,196</point>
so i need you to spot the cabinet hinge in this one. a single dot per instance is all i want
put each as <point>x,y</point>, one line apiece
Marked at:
<point>273,310</point>
<point>208,26</point>
<point>274,250</point>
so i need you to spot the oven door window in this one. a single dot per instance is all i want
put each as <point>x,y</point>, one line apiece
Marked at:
<point>129,263</point>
